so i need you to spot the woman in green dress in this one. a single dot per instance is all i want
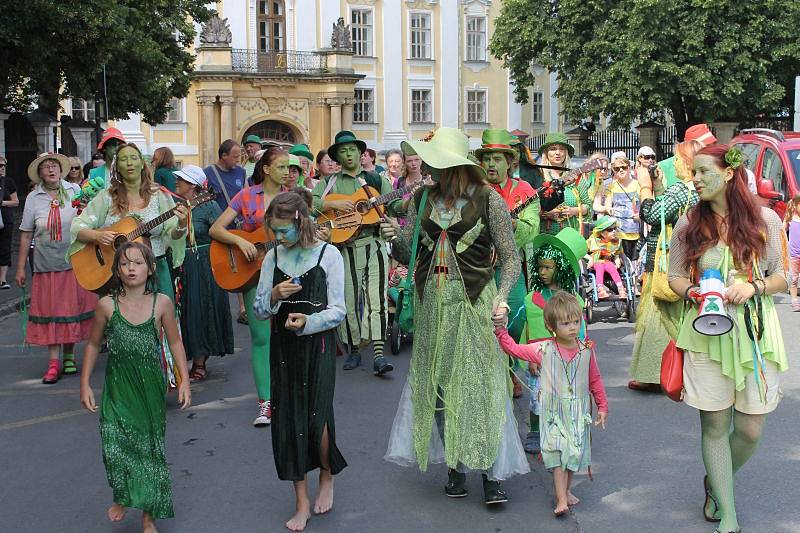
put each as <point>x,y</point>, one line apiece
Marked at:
<point>732,379</point>
<point>302,289</point>
<point>456,405</point>
<point>577,205</point>
<point>205,313</point>
<point>133,408</point>
<point>164,168</point>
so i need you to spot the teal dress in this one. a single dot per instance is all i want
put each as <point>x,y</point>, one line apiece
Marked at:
<point>204,308</point>
<point>133,416</point>
<point>164,176</point>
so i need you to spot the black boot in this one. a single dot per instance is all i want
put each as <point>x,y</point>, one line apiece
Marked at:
<point>492,493</point>
<point>455,484</point>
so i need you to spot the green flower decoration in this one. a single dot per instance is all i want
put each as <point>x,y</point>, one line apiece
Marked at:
<point>734,157</point>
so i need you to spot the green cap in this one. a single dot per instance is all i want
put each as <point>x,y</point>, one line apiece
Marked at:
<point>496,140</point>
<point>569,242</point>
<point>603,223</point>
<point>557,138</point>
<point>294,161</point>
<point>345,137</point>
<point>448,148</point>
<point>302,150</point>
<point>252,139</point>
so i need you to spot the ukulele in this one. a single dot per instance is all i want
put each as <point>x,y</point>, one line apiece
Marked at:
<point>234,273</point>
<point>92,264</point>
<point>367,207</point>
<point>557,183</point>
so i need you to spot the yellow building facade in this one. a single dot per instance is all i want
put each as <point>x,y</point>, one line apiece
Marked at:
<point>399,69</point>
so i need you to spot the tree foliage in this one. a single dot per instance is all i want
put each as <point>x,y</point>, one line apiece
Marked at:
<point>702,60</point>
<point>54,50</point>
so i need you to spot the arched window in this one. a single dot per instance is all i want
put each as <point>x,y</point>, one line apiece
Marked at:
<point>271,23</point>
<point>272,131</point>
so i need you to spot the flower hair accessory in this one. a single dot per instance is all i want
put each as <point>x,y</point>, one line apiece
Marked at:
<point>734,157</point>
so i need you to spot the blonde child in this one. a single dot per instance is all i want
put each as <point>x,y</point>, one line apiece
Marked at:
<point>133,410</point>
<point>568,375</point>
<point>791,223</point>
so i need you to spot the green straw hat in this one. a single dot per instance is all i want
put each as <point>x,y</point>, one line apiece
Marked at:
<point>301,150</point>
<point>448,148</point>
<point>294,161</point>
<point>569,242</point>
<point>345,137</point>
<point>496,140</point>
<point>556,138</point>
<point>603,223</point>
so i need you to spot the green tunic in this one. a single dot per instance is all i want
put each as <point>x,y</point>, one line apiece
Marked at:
<point>133,416</point>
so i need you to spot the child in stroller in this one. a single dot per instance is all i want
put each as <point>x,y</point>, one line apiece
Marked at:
<point>605,255</point>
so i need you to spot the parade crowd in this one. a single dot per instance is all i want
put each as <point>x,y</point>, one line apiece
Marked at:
<point>489,261</point>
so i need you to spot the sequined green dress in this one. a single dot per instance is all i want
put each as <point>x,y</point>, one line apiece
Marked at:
<point>133,416</point>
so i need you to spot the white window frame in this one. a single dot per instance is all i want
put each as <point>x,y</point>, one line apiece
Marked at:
<point>485,112</point>
<point>431,114</point>
<point>428,50</point>
<point>534,105</point>
<point>479,53</point>
<point>368,49</point>
<point>370,116</point>
<point>84,111</point>
<point>178,106</point>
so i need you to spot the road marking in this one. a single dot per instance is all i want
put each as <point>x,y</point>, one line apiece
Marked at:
<point>42,419</point>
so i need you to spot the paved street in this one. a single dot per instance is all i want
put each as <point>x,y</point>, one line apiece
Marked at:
<point>647,465</point>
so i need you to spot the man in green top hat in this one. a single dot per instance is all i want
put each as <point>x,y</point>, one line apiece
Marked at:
<point>252,144</point>
<point>366,262</point>
<point>303,152</point>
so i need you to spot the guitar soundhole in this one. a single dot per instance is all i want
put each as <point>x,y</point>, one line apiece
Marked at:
<point>119,241</point>
<point>362,207</point>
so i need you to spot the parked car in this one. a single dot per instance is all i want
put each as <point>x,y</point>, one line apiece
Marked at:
<point>774,157</point>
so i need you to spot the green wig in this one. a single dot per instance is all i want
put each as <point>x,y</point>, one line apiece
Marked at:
<point>564,275</point>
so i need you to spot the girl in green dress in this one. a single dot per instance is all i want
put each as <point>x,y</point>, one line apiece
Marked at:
<point>133,408</point>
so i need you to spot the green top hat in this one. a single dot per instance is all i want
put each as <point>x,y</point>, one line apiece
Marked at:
<point>301,150</point>
<point>495,140</point>
<point>603,223</point>
<point>252,139</point>
<point>448,148</point>
<point>569,242</point>
<point>556,138</point>
<point>345,137</point>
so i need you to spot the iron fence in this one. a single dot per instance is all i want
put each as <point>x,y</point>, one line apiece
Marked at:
<point>289,61</point>
<point>610,141</point>
<point>535,142</point>
<point>666,142</point>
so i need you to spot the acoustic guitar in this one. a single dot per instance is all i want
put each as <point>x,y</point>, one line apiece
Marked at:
<point>368,206</point>
<point>231,269</point>
<point>92,264</point>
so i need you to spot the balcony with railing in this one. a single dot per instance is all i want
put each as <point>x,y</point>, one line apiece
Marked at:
<point>284,62</point>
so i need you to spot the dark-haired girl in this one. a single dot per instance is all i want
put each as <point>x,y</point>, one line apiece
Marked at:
<point>302,289</point>
<point>133,410</point>
<point>251,204</point>
<point>732,379</point>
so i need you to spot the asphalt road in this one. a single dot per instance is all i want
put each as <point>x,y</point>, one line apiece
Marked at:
<point>647,467</point>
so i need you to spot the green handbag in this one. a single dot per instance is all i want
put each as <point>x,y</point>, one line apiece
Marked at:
<point>406,303</point>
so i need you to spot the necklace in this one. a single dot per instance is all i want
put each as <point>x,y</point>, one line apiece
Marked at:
<point>565,365</point>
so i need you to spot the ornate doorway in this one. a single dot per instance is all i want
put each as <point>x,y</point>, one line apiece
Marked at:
<point>272,131</point>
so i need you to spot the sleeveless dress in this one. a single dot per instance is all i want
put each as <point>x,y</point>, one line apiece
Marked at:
<point>566,409</point>
<point>303,370</point>
<point>133,416</point>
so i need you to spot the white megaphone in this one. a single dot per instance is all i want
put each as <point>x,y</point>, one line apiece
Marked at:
<point>712,319</point>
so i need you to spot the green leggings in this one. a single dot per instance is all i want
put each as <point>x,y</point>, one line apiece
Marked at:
<point>259,340</point>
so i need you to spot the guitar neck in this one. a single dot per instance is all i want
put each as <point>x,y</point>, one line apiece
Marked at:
<point>145,228</point>
<point>398,193</point>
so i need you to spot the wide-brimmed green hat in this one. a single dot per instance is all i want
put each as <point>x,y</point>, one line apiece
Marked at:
<point>603,223</point>
<point>569,242</point>
<point>496,140</point>
<point>448,148</point>
<point>345,137</point>
<point>301,150</point>
<point>252,139</point>
<point>556,138</point>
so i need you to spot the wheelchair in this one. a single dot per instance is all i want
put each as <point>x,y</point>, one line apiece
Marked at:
<point>623,306</point>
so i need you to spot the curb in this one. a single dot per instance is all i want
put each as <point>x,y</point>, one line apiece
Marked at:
<point>11,307</point>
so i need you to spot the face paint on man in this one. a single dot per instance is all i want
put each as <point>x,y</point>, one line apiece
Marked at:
<point>496,166</point>
<point>349,157</point>
<point>709,179</point>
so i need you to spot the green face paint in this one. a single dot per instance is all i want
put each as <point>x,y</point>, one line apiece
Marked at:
<point>349,157</point>
<point>709,179</point>
<point>110,149</point>
<point>129,165</point>
<point>278,171</point>
<point>496,167</point>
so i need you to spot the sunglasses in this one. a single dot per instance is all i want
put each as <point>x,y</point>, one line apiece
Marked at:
<point>75,168</point>
<point>649,157</point>
<point>2,165</point>
<point>617,169</point>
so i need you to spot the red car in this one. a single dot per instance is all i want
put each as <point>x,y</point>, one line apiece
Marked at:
<point>774,157</point>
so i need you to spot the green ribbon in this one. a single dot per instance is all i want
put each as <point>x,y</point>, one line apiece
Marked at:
<point>23,316</point>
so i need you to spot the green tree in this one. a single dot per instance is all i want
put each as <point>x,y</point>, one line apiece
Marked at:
<point>702,60</point>
<point>53,50</point>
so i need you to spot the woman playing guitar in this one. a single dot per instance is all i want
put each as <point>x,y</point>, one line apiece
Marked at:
<point>250,204</point>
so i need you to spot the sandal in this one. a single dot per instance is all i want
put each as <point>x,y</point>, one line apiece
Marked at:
<point>197,373</point>
<point>709,498</point>
<point>53,372</point>
<point>70,367</point>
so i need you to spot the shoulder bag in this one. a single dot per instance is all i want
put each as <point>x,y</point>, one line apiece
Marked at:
<point>660,284</point>
<point>406,307</point>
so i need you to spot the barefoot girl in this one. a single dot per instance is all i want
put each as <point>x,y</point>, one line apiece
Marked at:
<point>568,373</point>
<point>133,410</point>
<point>302,289</point>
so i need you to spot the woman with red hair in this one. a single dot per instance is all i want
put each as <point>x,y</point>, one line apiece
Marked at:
<point>732,379</point>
